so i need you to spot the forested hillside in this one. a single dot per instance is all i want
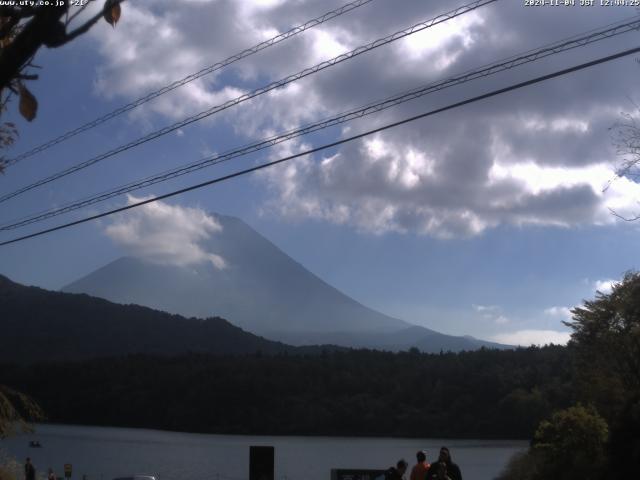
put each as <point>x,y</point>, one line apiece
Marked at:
<point>482,394</point>
<point>40,325</point>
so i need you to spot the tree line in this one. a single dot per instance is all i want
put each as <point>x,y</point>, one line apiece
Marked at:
<point>481,394</point>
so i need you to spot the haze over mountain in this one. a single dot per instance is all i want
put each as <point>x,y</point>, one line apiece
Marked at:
<point>262,290</point>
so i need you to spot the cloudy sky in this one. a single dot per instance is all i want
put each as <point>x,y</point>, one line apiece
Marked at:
<point>490,220</point>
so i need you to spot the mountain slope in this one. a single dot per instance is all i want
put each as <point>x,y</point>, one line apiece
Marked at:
<point>40,325</point>
<point>262,289</point>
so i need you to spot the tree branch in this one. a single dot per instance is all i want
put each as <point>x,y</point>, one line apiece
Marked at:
<point>23,76</point>
<point>91,22</point>
<point>84,28</point>
<point>19,13</point>
<point>7,27</point>
<point>28,41</point>
<point>78,12</point>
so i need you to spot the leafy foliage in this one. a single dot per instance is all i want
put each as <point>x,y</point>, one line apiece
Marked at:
<point>572,441</point>
<point>16,409</point>
<point>473,394</point>
<point>570,444</point>
<point>112,12</point>
<point>24,29</point>
<point>603,439</point>
<point>606,346</point>
<point>28,103</point>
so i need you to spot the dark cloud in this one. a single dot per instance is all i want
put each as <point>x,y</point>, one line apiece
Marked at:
<point>539,156</point>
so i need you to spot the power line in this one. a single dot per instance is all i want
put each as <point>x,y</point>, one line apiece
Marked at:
<point>576,41</point>
<point>190,78</point>
<point>493,93</point>
<point>272,86</point>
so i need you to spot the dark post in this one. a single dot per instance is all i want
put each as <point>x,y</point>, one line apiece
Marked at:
<point>261,461</point>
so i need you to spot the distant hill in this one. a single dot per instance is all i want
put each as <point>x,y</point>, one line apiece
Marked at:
<point>423,339</point>
<point>40,325</point>
<point>264,291</point>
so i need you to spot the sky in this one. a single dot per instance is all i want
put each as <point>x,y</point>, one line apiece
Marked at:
<point>492,219</point>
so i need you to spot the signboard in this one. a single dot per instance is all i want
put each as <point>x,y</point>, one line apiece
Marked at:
<point>67,470</point>
<point>261,460</point>
<point>357,474</point>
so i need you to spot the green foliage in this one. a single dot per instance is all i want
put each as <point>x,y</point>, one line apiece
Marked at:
<point>526,407</point>
<point>16,409</point>
<point>523,466</point>
<point>606,341</point>
<point>572,443</point>
<point>483,394</point>
<point>605,352</point>
<point>605,346</point>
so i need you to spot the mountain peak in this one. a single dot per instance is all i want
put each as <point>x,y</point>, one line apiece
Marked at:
<point>262,289</point>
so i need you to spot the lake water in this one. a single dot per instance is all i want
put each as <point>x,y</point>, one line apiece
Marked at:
<point>105,453</point>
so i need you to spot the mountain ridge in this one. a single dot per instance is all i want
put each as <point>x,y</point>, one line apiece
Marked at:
<point>262,290</point>
<point>42,325</point>
<point>259,278</point>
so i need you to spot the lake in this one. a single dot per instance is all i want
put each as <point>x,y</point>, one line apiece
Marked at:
<point>104,453</point>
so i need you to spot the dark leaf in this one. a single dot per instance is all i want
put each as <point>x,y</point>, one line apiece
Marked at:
<point>28,104</point>
<point>112,12</point>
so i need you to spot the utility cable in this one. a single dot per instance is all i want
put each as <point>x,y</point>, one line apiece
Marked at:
<point>247,96</point>
<point>190,78</point>
<point>527,57</point>
<point>493,93</point>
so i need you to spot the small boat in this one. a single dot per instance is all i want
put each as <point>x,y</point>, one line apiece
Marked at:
<point>35,444</point>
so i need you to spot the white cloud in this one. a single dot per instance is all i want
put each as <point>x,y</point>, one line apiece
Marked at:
<point>166,234</point>
<point>563,313</point>
<point>622,195</point>
<point>604,286</point>
<point>431,43</point>
<point>492,313</point>
<point>485,308</point>
<point>532,337</point>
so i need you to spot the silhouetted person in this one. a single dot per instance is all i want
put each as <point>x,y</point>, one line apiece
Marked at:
<point>51,475</point>
<point>451,470</point>
<point>441,472</point>
<point>29,470</point>
<point>397,472</point>
<point>420,469</point>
